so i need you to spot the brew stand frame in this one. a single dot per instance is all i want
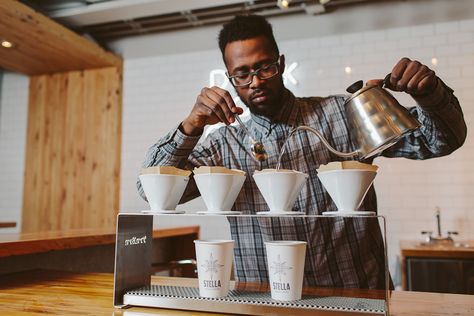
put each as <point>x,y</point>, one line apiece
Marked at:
<point>132,283</point>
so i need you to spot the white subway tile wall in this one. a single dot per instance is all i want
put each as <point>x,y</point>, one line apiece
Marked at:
<point>13,122</point>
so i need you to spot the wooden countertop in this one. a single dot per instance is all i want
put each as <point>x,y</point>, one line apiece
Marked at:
<point>411,248</point>
<point>12,244</point>
<point>62,293</point>
<point>7,224</point>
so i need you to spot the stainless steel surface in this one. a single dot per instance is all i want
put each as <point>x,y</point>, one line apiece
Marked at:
<point>376,120</point>
<point>250,303</point>
<point>257,148</point>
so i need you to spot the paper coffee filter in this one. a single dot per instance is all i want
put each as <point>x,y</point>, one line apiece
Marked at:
<point>217,169</point>
<point>276,170</point>
<point>337,165</point>
<point>166,170</point>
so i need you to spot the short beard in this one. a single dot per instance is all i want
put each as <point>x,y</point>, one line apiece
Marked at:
<point>270,110</point>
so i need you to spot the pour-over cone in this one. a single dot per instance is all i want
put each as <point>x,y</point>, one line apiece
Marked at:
<point>219,190</point>
<point>347,187</point>
<point>163,191</point>
<point>280,189</point>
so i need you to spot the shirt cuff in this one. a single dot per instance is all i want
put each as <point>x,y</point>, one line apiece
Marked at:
<point>437,100</point>
<point>180,141</point>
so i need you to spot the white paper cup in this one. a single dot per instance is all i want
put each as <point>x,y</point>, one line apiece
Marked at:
<point>219,190</point>
<point>214,261</point>
<point>285,261</point>
<point>163,191</point>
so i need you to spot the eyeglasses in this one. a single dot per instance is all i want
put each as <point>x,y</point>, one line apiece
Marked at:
<point>245,78</point>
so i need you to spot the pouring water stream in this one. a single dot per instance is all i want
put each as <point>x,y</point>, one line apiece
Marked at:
<point>323,140</point>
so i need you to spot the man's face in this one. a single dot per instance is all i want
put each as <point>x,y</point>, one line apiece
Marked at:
<point>262,96</point>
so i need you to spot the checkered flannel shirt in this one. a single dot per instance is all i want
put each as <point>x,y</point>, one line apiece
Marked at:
<point>342,252</point>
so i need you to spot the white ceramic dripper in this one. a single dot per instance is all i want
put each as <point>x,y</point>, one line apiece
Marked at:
<point>219,191</point>
<point>347,188</point>
<point>280,189</point>
<point>163,191</point>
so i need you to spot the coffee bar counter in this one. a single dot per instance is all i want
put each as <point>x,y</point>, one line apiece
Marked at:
<point>462,249</point>
<point>443,267</point>
<point>63,293</point>
<point>84,250</point>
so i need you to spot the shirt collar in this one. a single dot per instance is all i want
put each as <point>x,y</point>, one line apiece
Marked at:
<point>288,115</point>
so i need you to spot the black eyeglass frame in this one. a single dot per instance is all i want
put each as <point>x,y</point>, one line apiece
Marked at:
<point>255,73</point>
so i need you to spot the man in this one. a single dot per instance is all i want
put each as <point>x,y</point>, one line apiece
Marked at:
<point>341,252</point>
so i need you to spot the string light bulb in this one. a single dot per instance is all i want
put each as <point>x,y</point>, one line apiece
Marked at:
<point>283,4</point>
<point>6,44</point>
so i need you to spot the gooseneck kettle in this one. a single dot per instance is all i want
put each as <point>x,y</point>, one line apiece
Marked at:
<point>376,120</point>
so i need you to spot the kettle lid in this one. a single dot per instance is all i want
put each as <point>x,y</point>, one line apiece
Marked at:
<point>360,91</point>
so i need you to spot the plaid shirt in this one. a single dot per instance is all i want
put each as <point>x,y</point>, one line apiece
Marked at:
<point>342,252</point>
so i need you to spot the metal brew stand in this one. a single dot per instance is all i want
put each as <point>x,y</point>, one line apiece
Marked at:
<point>132,284</point>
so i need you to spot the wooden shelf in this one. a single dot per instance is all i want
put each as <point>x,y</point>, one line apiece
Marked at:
<point>7,224</point>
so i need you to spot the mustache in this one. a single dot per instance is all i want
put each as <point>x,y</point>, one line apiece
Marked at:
<point>258,92</point>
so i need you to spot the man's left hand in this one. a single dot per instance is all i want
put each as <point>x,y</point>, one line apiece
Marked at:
<point>412,77</point>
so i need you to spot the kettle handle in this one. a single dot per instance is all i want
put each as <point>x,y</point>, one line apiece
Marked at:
<point>386,82</point>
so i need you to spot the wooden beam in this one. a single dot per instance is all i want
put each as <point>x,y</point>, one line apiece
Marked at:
<point>42,46</point>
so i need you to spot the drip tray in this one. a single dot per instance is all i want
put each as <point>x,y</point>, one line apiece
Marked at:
<point>250,303</point>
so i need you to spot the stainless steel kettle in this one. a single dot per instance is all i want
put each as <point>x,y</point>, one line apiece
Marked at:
<point>376,120</point>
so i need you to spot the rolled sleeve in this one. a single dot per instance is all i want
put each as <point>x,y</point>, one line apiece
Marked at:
<point>438,100</point>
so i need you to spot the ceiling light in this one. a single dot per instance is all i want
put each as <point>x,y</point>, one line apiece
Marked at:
<point>434,61</point>
<point>348,70</point>
<point>6,44</point>
<point>283,4</point>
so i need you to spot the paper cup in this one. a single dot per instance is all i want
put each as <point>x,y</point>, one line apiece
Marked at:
<point>214,261</point>
<point>285,261</point>
<point>163,191</point>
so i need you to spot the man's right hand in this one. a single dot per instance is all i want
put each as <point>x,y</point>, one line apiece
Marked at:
<point>213,105</point>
